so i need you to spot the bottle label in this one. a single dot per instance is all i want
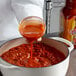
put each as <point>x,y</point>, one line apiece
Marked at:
<point>69,31</point>
<point>73,31</point>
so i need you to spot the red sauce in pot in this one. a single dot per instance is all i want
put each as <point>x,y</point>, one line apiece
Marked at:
<point>42,55</point>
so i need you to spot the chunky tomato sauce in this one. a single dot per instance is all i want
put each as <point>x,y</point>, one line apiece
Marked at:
<point>42,55</point>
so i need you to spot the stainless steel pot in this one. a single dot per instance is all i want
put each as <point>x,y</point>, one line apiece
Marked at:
<point>59,69</point>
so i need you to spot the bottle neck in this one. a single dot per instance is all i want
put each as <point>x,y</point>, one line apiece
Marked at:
<point>71,3</point>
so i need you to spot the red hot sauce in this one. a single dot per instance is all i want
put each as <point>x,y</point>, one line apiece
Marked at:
<point>68,21</point>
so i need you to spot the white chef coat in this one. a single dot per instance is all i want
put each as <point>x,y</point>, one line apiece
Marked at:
<point>12,11</point>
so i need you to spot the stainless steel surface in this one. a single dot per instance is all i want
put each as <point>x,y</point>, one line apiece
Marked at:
<point>48,8</point>
<point>52,14</point>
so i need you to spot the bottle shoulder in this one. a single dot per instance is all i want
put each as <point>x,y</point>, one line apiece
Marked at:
<point>68,12</point>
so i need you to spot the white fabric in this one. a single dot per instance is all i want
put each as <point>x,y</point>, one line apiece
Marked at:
<point>12,9</point>
<point>27,8</point>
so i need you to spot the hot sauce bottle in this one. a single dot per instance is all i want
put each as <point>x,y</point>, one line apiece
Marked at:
<point>32,28</point>
<point>68,21</point>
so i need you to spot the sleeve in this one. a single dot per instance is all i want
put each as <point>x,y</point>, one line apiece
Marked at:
<point>25,8</point>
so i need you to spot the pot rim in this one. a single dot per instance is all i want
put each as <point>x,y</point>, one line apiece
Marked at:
<point>15,66</point>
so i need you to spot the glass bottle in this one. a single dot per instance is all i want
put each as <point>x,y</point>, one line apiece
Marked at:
<point>32,28</point>
<point>68,21</point>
